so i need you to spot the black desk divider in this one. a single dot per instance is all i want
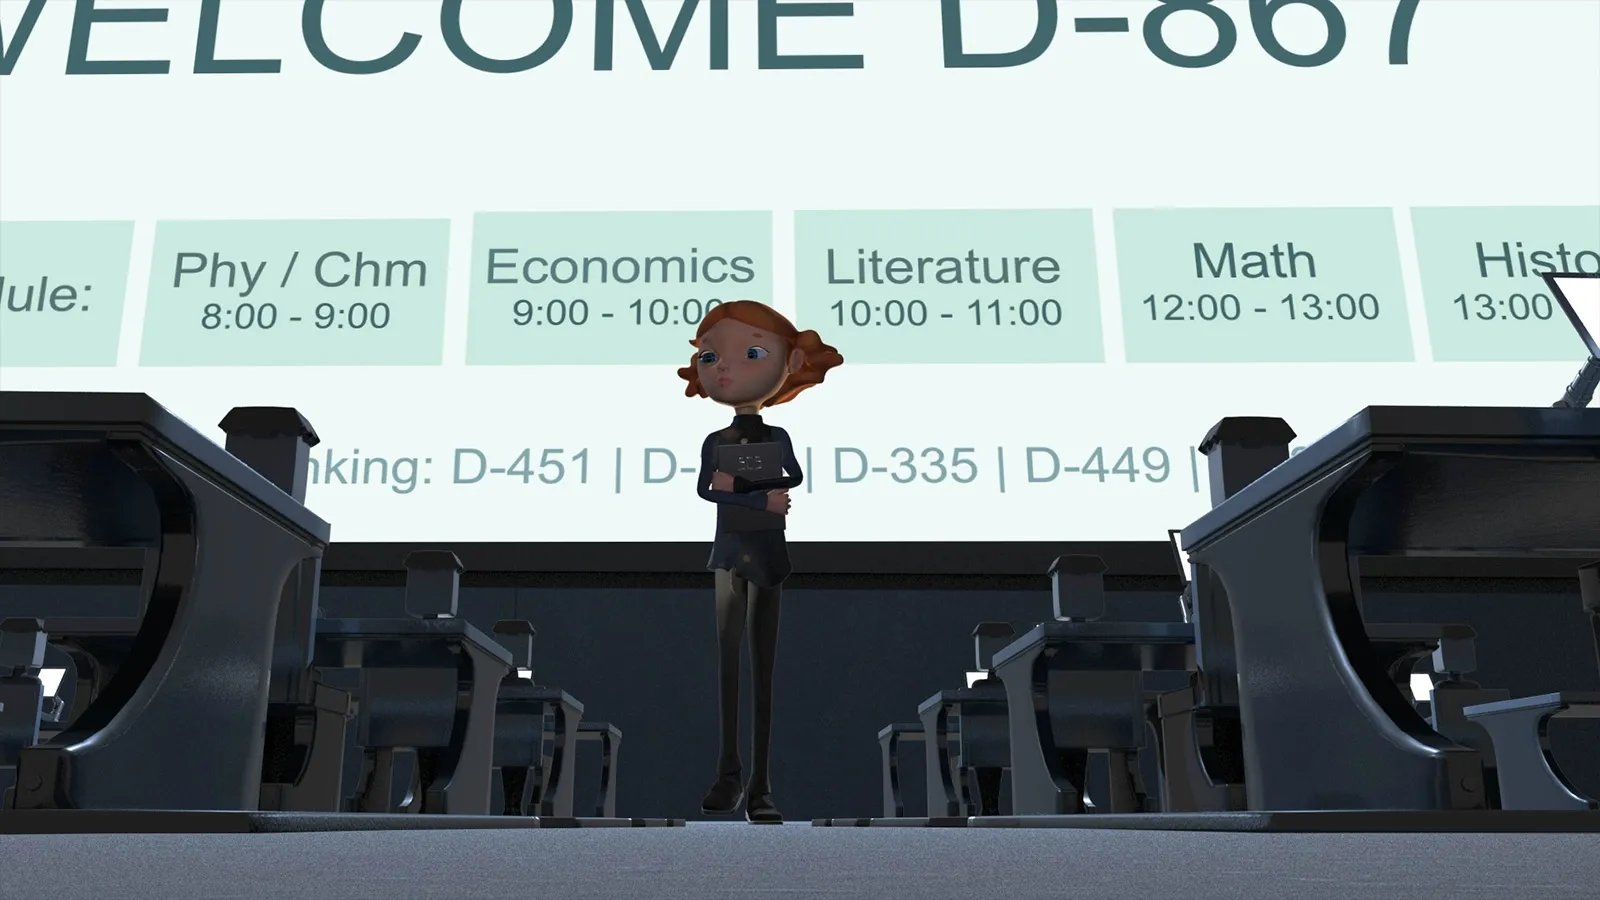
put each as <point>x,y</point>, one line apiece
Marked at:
<point>1391,480</point>
<point>118,470</point>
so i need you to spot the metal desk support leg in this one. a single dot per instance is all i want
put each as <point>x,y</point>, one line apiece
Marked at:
<point>1529,778</point>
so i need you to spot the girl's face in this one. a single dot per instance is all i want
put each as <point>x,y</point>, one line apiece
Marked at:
<point>741,365</point>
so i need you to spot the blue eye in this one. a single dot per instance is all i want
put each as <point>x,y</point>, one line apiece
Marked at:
<point>756,353</point>
<point>708,358</point>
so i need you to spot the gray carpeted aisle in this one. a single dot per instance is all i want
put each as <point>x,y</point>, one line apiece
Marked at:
<point>706,861</point>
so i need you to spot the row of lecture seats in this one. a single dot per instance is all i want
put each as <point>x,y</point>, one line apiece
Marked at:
<point>1274,694</point>
<point>231,691</point>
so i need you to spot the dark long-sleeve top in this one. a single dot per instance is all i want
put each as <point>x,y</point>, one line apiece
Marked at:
<point>761,557</point>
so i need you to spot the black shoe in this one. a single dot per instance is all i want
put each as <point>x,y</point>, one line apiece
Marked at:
<point>762,811</point>
<point>724,797</point>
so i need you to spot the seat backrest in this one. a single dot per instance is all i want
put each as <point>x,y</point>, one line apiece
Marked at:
<point>987,640</point>
<point>1240,449</point>
<point>1457,653</point>
<point>22,647</point>
<point>433,584</point>
<point>275,441</point>
<point>516,635</point>
<point>1078,587</point>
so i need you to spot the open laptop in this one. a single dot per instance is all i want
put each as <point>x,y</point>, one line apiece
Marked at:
<point>1186,596</point>
<point>1579,296</point>
<point>1176,537</point>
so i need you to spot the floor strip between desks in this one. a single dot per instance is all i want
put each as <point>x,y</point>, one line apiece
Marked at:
<point>1323,822</point>
<point>53,821</point>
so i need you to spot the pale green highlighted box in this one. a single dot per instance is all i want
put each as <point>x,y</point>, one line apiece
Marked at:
<point>62,286</point>
<point>1261,285</point>
<point>1481,284</point>
<point>608,288</point>
<point>950,286</point>
<point>297,293</point>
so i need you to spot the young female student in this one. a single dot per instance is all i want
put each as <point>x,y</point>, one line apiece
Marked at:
<point>748,356</point>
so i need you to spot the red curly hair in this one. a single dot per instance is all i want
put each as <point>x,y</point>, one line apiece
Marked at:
<point>819,357</point>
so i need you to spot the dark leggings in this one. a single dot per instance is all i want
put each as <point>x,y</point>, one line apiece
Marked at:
<point>741,605</point>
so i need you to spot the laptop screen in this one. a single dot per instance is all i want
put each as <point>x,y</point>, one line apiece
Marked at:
<point>1579,296</point>
<point>1176,537</point>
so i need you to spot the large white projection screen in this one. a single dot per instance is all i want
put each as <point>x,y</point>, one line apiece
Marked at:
<point>1054,242</point>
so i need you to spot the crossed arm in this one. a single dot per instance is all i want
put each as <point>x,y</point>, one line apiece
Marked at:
<point>749,493</point>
